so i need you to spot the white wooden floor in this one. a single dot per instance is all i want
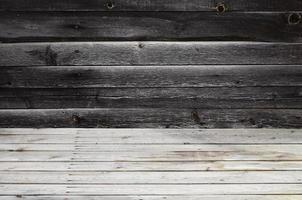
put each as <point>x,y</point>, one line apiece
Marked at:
<point>150,164</point>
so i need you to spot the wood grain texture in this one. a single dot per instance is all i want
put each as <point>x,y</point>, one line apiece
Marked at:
<point>117,178</point>
<point>159,197</point>
<point>151,166</point>
<point>107,190</point>
<point>100,26</point>
<point>96,138</point>
<point>152,118</point>
<point>222,98</point>
<point>149,5</point>
<point>91,77</point>
<point>176,153</point>
<point>149,53</point>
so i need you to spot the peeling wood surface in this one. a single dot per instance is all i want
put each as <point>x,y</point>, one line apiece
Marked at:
<point>151,164</point>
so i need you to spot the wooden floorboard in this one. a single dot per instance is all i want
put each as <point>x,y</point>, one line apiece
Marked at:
<point>150,164</point>
<point>159,197</point>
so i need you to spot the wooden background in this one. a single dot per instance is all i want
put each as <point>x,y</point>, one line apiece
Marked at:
<point>151,63</point>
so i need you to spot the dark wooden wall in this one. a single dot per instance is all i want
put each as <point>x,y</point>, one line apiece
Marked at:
<point>151,63</point>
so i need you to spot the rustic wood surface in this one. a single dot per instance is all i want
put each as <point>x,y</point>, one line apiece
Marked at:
<point>201,98</point>
<point>159,197</point>
<point>150,164</point>
<point>151,118</point>
<point>149,5</point>
<point>200,76</point>
<point>87,26</point>
<point>151,64</point>
<point>150,53</point>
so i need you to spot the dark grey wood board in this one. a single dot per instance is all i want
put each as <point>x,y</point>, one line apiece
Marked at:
<point>100,26</point>
<point>149,5</point>
<point>150,76</point>
<point>222,97</point>
<point>149,53</point>
<point>152,118</point>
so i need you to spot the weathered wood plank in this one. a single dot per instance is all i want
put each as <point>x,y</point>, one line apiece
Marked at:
<point>152,166</point>
<point>88,137</point>
<point>79,26</point>
<point>149,53</point>
<point>284,134</point>
<point>152,118</point>
<point>208,177</point>
<point>225,97</point>
<point>142,197</point>
<point>149,5</point>
<point>162,153</point>
<point>71,77</point>
<point>208,189</point>
<point>90,147</point>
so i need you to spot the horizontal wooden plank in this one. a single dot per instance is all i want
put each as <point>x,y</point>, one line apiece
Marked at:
<point>149,53</point>
<point>151,177</point>
<point>152,166</point>
<point>142,197</point>
<point>78,169</point>
<point>38,147</point>
<point>152,118</point>
<point>45,189</point>
<point>162,153</point>
<point>284,134</point>
<point>90,147</point>
<point>95,138</point>
<point>225,97</point>
<point>147,5</point>
<point>72,77</point>
<point>100,26</point>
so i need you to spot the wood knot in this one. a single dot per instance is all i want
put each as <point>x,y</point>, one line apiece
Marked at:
<point>294,18</point>
<point>220,8</point>
<point>110,5</point>
<point>195,116</point>
<point>75,119</point>
<point>141,45</point>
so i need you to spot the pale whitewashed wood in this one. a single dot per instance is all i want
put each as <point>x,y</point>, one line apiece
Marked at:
<point>292,149</point>
<point>153,166</point>
<point>42,139</point>
<point>209,177</point>
<point>151,136</point>
<point>163,153</point>
<point>144,197</point>
<point>105,162</point>
<point>158,148</point>
<point>40,147</point>
<point>185,189</point>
